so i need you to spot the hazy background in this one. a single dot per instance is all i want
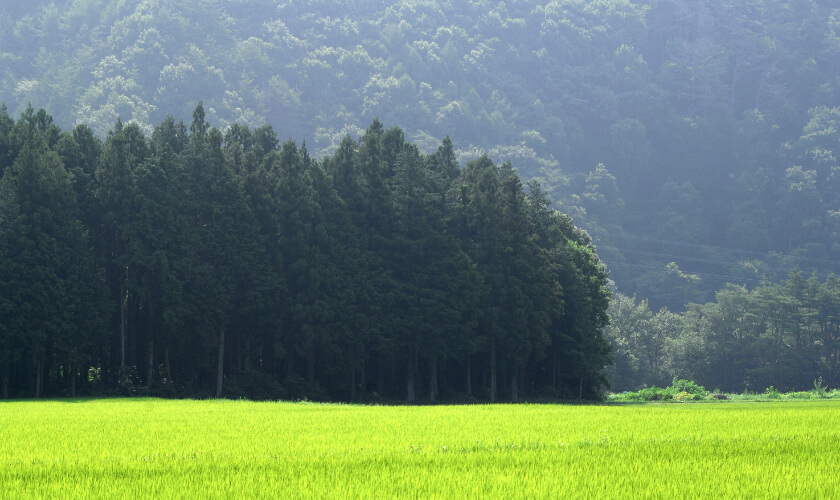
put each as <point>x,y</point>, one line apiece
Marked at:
<point>698,132</point>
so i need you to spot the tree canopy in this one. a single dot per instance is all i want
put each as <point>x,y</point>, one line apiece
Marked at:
<point>198,263</point>
<point>695,132</point>
<point>695,141</point>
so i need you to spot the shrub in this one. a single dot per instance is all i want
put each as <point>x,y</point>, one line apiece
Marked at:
<point>690,387</point>
<point>819,389</point>
<point>682,397</point>
<point>772,393</point>
<point>655,394</point>
<point>800,395</point>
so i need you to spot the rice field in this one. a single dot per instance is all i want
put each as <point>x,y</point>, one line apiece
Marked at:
<point>149,448</point>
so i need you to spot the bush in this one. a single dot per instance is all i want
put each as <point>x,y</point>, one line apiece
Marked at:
<point>655,394</point>
<point>772,393</point>
<point>682,397</point>
<point>690,387</point>
<point>680,390</point>
<point>819,390</point>
<point>801,395</point>
<point>687,390</point>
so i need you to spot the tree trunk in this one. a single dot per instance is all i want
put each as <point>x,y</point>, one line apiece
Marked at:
<point>72,371</point>
<point>443,371</point>
<point>310,365</point>
<point>123,300</point>
<point>725,361</point>
<point>248,355</point>
<point>833,369</point>
<point>493,370</point>
<point>409,393</point>
<point>352,383</point>
<point>382,375</point>
<point>240,355</point>
<point>166,363</point>
<point>221,370</point>
<point>150,374</point>
<point>6,382</point>
<point>514,385</point>
<point>39,366</point>
<point>433,379</point>
<point>363,382</point>
<point>580,395</point>
<point>393,386</point>
<point>503,375</point>
<point>469,376</point>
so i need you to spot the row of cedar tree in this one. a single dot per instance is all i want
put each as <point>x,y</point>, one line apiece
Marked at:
<point>200,263</point>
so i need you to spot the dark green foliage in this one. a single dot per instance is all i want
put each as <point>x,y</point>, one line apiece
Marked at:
<point>689,386</point>
<point>241,267</point>
<point>784,335</point>
<point>695,141</point>
<point>51,300</point>
<point>579,351</point>
<point>698,133</point>
<point>679,390</point>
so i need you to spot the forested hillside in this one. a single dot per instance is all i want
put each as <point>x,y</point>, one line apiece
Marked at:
<point>699,132</point>
<point>696,140</point>
<point>192,262</point>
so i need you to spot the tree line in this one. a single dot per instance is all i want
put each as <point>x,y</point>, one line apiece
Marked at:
<point>198,262</point>
<point>785,335</point>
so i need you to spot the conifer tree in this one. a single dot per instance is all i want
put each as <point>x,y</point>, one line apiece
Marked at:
<point>531,292</point>
<point>579,350</point>
<point>482,239</point>
<point>7,153</point>
<point>11,283</point>
<point>227,258</point>
<point>125,148</point>
<point>55,309</point>
<point>308,307</point>
<point>437,273</point>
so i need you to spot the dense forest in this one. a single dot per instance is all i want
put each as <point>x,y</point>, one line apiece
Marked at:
<point>200,263</point>
<point>695,132</point>
<point>783,335</point>
<point>696,141</point>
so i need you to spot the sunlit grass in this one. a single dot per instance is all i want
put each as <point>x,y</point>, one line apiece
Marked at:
<point>157,448</point>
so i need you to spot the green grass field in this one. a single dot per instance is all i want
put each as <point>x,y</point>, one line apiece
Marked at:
<point>148,448</point>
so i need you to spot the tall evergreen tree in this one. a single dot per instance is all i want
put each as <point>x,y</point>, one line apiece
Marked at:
<point>579,350</point>
<point>55,309</point>
<point>125,149</point>
<point>483,242</point>
<point>309,302</point>
<point>159,238</point>
<point>11,283</point>
<point>7,153</point>
<point>531,293</point>
<point>437,279</point>
<point>227,259</point>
